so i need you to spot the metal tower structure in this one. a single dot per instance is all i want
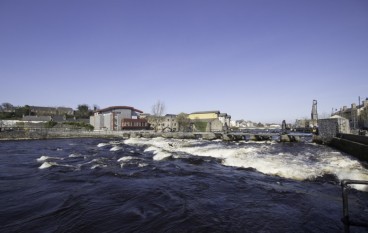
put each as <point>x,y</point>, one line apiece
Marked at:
<point>314,114</point>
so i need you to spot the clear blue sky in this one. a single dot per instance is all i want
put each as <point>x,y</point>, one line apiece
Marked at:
<point>260,60</point>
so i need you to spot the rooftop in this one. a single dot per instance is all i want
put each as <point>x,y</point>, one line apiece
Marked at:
<point>118,107</point>
<point>204,112</point>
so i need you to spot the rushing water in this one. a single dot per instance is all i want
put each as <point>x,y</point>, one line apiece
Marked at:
<point>168,185</point>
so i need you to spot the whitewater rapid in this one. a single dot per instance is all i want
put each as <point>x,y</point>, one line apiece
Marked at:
<point>307,163</point>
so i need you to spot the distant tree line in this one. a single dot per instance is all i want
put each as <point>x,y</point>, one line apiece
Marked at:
<point>11,112</point>
<point>8,111</point>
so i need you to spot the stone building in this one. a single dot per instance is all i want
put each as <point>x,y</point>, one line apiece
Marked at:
<point>329,128</point>
<point>167,123</point>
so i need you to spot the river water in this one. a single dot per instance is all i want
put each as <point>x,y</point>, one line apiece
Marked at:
<point>172,185</point>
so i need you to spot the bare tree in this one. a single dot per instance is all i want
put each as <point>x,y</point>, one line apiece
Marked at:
<point>7,106</point>
<point>158,110</point>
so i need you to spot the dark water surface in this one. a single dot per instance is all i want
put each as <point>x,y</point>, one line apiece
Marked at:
<point>166,185</point>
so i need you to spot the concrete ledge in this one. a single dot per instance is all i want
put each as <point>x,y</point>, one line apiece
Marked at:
<point>354,138</point>
<point>353,148</point>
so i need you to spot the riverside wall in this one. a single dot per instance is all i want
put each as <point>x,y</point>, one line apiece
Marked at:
<point>335,132</point>
<point>352,144</point>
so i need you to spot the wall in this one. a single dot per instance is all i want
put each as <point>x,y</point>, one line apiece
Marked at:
<point>358,150</point>
<point>355,138</point>
<point>107,121</point>
<point>216,125</point>
<point>97,121</point>
<point>125,113</point>
<point>328,128</point>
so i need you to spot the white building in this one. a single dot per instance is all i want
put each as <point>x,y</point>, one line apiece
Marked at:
<point>112,118</point>
<point>225,119</point>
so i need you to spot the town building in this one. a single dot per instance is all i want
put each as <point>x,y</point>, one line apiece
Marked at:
<point>225,119</point>
<point>118,118</point>
<point>167,123</point>
<point>210,121</point>
<point>355,114</point>
<point>51,111</point>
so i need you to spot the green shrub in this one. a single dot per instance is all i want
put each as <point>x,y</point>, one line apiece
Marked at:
<point>50,124</point>
<point>200,126</point>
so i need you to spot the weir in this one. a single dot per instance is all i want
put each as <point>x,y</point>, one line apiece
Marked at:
<point>231,136</point>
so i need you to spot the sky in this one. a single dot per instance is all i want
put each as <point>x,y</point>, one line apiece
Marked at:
<point>258,60</point>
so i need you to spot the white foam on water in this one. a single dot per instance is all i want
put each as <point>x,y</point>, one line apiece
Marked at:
<point>102,144</point>
<point>126,158</point>
<point>142,164</point>
<point>301,165</point>
<point>51,164</point>
<point>98,165</point>
<point>75,155</point>
<point>159,154</point>
<point>47,165</point>
<point>116,148</point>
<point>44,158</point>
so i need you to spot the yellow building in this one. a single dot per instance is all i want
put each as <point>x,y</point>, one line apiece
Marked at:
<point>204,115</point>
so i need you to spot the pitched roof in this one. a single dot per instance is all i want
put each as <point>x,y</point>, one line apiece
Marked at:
<point>37,118</point>
<point>204,112</point>
<point>118,107</point>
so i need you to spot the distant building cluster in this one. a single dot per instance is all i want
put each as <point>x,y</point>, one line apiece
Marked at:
<point>117,118</point>
<point>34,116</point>
<point>356,114</point>
<point>57,114</point>
<point>128,118</point>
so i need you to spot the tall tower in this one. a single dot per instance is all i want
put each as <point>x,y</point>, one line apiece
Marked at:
<point>314,114</point>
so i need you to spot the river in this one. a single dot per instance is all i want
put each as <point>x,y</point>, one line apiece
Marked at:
<point>173,185</point>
